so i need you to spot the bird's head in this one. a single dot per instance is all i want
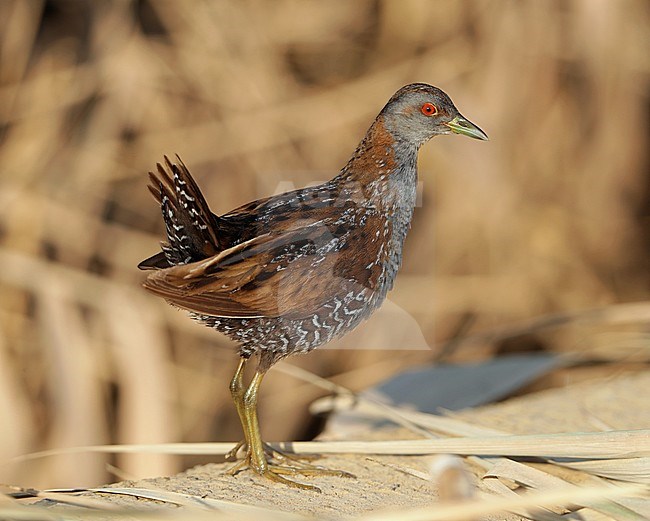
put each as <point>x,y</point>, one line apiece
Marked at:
<point>418,111</point>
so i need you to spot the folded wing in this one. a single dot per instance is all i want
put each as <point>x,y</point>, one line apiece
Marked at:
<point>290,274</point>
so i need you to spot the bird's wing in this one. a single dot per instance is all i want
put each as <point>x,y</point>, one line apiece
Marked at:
<point>288,274</point>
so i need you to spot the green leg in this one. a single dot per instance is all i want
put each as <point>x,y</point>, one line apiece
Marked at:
<point>237,393</point>
<point>258,454</point>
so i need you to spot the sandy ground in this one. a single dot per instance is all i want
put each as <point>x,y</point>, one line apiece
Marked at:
<point>390,482</point>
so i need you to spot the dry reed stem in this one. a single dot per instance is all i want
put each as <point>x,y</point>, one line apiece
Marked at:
<point>594,445</point>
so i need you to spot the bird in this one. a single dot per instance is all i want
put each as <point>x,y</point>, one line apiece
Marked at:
<point>288,273</point>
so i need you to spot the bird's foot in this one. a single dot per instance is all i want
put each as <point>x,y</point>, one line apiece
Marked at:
<point>271,453</point>
<point>276,471</point>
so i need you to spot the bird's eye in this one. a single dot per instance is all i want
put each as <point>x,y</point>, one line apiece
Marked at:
<point>428,109</point>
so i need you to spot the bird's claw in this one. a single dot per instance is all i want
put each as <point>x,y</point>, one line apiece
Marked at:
<point>276,472</point>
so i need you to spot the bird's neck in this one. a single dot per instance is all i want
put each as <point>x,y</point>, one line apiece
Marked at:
<point>383,170</point>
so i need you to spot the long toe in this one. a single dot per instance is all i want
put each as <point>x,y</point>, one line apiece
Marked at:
<point>274,475</point>
<point>239,466</point>
<point>310,471</point>
<point>274,465</point>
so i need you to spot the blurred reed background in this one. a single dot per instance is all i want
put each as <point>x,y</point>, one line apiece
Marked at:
<point>549,216</point>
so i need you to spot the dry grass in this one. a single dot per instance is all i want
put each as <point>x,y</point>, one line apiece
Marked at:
<point>607,479</point>
<point>549,217</point>
<point>584,494</point>
<point>537,506</point>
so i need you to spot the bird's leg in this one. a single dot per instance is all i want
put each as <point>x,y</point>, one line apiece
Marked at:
<point>253,436</point>
<point>257,457</point>
<point>259,454</point>
<point>237,393</point>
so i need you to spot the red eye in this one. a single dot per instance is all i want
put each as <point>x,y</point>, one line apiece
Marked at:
<point>429,109</point>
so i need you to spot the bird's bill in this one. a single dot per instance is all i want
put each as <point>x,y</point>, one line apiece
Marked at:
<point>460,125</point>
